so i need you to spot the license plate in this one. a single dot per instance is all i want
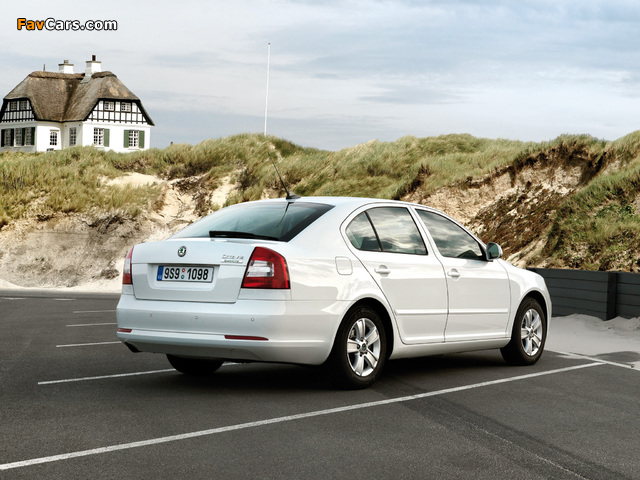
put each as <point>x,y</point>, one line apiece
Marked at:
<point>168,273</point>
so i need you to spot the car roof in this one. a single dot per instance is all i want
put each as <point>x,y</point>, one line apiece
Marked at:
<point>342,204</point>
<point>338,201</point>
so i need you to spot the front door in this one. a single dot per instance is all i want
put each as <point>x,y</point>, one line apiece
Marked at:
<point>479,291</point>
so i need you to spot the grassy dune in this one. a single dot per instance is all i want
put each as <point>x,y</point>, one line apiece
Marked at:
<point>596,227</point>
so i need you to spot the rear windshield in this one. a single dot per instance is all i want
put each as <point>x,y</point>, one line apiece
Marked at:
<point>275,221</point>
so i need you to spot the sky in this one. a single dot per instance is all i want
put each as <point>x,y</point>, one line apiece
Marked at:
<point>342,73</point>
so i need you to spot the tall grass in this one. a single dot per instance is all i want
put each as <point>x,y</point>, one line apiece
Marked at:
<point>393,169</point>
<point>601,219</point>
<point>64,182</point>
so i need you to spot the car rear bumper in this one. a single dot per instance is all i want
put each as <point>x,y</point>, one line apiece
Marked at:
<point>259,330</point>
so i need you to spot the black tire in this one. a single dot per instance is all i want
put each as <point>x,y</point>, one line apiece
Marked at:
<point>360,349</point>
<point>528,336</point>
<point>194,366</point>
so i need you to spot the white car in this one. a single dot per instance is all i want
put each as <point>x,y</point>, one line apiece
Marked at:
<point>347,282</point>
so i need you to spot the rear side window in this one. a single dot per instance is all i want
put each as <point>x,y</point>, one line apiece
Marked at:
<point>361,234</point>
<point>387,229</point>
<point>273,220</point>
<point>451,240</point>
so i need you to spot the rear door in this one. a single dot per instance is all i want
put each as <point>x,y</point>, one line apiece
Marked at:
<point>479,292</point>
<point>388,243</point>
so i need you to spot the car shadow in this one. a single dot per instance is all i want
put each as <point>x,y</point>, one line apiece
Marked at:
<point>253,377</point>
<point>256,377</point>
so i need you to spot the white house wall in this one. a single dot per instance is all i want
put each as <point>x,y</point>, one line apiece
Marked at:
<point>117,122</point>
<point>66,128</point>
<point>43,135</point>
<point>84,136</point>
<point>116,135</point>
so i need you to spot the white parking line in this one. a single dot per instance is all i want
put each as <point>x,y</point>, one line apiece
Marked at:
<point>271,421</point>
<point>586,357</point>
<point>91,324</point>
<point>103,377</point>
<point>86,344</point>
<point>69,380</point>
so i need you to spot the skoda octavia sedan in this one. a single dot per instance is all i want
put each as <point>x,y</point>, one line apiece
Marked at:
<point>346,282</point>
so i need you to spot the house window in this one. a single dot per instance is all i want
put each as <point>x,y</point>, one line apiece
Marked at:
<point>109,106</point>
<point>98,137</point>
<point>18,137</point>
<point>72,136</point>
<point>134,138</point>
<point>53,138</point>
<point>125,107</point>
<point>28,136</point>
<point>24,105</point>
<point>13,105</point>
<point>7,140</point>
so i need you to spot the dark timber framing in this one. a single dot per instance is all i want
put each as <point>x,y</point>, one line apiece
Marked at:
<point>135,115</point>
<point>21,113</point>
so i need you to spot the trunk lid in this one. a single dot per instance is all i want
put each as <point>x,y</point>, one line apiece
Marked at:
<point>190,270</point>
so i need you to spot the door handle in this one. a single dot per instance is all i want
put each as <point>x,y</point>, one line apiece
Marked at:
<point>382,270</point>
<point>453,273</point>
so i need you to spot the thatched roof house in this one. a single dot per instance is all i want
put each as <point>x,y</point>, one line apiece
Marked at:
<point>82,108</point>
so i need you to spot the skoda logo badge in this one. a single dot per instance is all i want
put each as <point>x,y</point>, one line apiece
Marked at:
<point>182,251</point>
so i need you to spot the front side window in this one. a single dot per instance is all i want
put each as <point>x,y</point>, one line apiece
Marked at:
<point>24,105</point>
<point>452,240</point>
<point>98,137</point>
<point>125,107</point>
<point>13,106</point>
<point>272,221</point>
<point>28,136</point>
<point>53,138</point>
<point>19,139</point>
<point>109,106</point>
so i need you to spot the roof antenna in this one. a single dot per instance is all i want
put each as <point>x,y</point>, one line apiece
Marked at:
<point>290,195</point>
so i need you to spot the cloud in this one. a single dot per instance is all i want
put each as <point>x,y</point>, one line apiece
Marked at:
<point>399,94</point>
<point>346,71</point>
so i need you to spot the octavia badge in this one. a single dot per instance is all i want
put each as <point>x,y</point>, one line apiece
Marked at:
<point>182,251</point>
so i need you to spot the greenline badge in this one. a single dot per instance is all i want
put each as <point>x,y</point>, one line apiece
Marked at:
<point>232,259</point>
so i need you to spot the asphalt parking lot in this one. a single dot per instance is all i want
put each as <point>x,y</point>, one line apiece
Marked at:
<point>75,403</point>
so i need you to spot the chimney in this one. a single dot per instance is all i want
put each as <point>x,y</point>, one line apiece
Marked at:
<point>65,67</point>
<point>93,66</point>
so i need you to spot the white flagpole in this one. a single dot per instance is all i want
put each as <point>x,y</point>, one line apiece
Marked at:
<point>266,102</point>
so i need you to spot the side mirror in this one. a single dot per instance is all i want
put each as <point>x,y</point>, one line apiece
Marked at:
<point>494,251</point>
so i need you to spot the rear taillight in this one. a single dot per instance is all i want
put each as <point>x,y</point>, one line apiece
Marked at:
<point>266,269</point>
<point>126,271</point>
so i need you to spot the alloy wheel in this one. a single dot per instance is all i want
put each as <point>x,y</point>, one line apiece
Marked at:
<point>531,332</point>
<point>363,347</point>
